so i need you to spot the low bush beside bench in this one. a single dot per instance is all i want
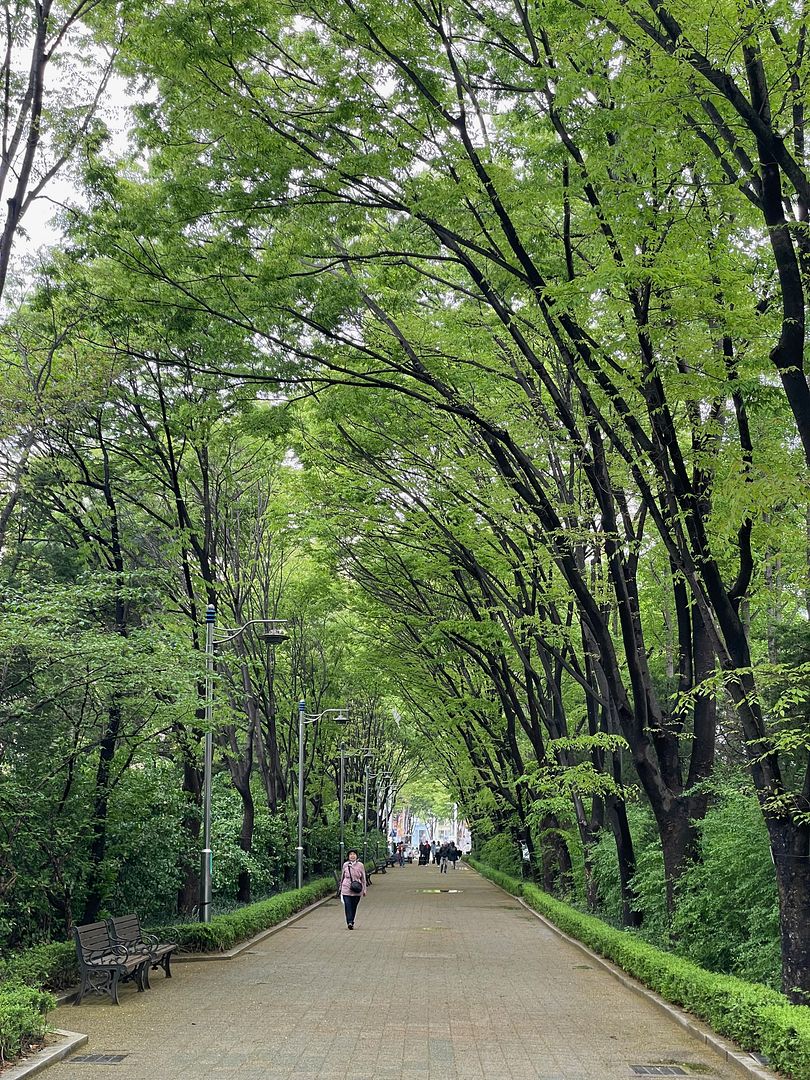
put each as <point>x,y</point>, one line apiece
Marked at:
<point>757,1018</point>
<point>53,966</point>
<point>23,1019</point>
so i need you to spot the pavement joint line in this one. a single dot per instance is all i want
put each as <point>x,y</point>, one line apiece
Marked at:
<point>71,1040</point>
<point>729,1051</point>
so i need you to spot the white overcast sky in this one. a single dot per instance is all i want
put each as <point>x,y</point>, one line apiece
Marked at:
<point>40,229</point>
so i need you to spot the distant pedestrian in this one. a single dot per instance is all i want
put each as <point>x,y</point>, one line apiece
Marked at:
<point>444,853</point>
<point>453,854</point>
<point>352,886</point>
<point>434,851</point>
<point>401,854</point>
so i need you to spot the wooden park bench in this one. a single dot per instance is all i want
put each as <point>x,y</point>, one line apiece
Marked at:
<point>126,930</point>
<point>102,966</point>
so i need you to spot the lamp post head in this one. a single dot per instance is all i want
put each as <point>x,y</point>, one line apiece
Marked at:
<point>274,637</point>
<point>210,614</point>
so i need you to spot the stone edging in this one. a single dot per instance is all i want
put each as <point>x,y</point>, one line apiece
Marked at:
<point>71,1040</point>
<point>67,996</point>
<point>731,1053</point>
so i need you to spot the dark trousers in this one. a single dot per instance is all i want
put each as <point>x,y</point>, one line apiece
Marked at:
<point>350,904</point>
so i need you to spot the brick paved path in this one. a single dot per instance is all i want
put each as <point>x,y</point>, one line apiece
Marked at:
<point>429,986</point>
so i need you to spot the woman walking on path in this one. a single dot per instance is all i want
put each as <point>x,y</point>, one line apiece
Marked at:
<point>352,886</point>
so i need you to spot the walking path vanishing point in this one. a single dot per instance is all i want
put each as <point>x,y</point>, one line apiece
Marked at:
<point>464,984</point>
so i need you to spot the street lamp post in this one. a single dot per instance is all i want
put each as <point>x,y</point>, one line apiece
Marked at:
<point>342,716</point>
<point>383,807</point>
<point>208,760</point>
<point>344,753</point>
<point>274,634</point>
<point>368,776</point>
<point>299,851</point>
<point>341,807</point>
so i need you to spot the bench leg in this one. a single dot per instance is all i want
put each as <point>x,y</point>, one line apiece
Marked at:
<point>167,965</point>
<point>114,989</point>
<point>143,977</point>
<point>82,990</point>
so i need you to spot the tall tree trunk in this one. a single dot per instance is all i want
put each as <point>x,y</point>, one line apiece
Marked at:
<point>188,894</point>
<point>790,844</point>
<point>556,868</point>
<point>617,817</point>
<point>245,839</point>
<point>97,886</point>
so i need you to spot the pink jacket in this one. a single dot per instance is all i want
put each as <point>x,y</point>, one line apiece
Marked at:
<point>352,872</point>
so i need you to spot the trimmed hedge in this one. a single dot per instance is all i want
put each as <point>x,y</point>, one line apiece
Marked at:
<point>23,1019</point>
<point>51,965</point>
<point>225,931</point>
<point>754,1016</point>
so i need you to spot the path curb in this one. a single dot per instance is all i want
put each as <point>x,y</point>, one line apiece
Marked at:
<point>49,1056</point>
<point>731,1053</point>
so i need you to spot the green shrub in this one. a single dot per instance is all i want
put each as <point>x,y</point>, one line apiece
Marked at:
<point>226,931</point>
<point>51,965</point>
<point>23,1013</point>
<point>649,880</point>
<point>727,914</point>
<point>147,846</point>
<point>501,853</point>
<point>756,1017</point>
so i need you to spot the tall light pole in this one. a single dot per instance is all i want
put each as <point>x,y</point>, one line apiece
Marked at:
<point>368,776</point>
<point>304,718</point>
<point>299,851</point>
<point>383,806</point>
<point>208,761</point>
<point>274,634</point>
<point>341,808</point>
<point>344,753</point>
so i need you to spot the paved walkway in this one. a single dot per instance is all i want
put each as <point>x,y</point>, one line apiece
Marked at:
<point>429,986</point>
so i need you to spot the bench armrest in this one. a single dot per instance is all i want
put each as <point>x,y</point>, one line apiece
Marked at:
<point>97,957</point>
